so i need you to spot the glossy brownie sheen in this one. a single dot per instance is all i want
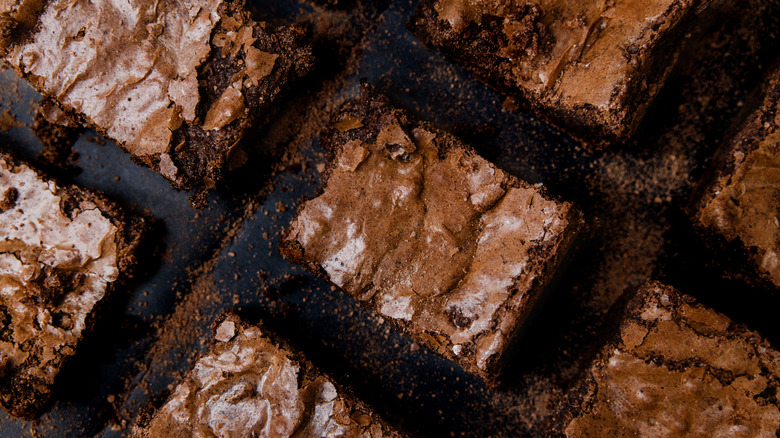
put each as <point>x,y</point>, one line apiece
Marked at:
<point>175,83</point>
<point>677,368</point>
<point>738,210</point>
<point>591,67</point>
<point>418,227</point>
<point>62,251</point>
<point>249,385</point>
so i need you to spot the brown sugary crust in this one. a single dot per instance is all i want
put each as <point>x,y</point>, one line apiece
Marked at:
<point>27,397</point>
<point>375,110</point>
<point>308,373</point>
<point>684,311</point>
<point>734,255</point>
<point>478,47</point>
<point>203,157</point>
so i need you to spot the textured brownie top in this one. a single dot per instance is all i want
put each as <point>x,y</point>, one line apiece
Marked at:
<point>573,55</point>
<point>131,67</point>
<point>680,369</point>
<point>744,200</point>
<point>55,264</point>
<point>432,235</point>
<point>249,386</point>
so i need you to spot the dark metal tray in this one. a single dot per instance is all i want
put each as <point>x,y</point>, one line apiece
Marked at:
<point>225,256</point>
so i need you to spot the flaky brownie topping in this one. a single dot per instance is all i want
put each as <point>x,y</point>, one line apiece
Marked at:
<point>580,49</point>
<point>131,68</point>
<point>591,67</point>
<point>682,369</point>
<point>746,203</point>
<point>55,264</point>
<point>248,386</point>
<point>436,237</point>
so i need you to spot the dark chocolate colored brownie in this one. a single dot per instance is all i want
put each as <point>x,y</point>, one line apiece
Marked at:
<point>57,133</point>
<point>64,252</point>
<point>178,84</point>
<point>590,67</point>
<point>250,385</point>
<point>676,368</point>
<point>420,229</point>
<point>737,205</point>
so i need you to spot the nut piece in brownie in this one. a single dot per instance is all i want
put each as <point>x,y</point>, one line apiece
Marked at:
<point>178,84</point>
<point>63,252</point>
<point>676,368</point>
<point>590,67</point>
<point>419,228</point>
<point>250,385</point>
<point>737,205</point>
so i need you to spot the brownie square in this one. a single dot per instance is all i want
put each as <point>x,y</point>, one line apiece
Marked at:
<point>249,384</point>
<point>591,67</point>
<point>676,368</point>
<point>63,254</point>
<point>736,206</point>
<point>417,227</point>
<point>177,84</point>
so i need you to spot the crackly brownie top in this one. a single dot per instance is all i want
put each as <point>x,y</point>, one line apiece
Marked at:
<point>577,52</point>
<point>55,264</point>
<point>682,369</point>
<point>249,386</point>
<point>131,67</point>
<point>435,236</point>
<point>746,201</point>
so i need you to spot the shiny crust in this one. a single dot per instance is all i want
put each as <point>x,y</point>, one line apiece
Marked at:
<point>296,390</point>
<point>184,113</point>
<point>675,367</point>
<point>22,393</point>
<point>508,43</point>
<point>446,322</point>
<point>754,135</point>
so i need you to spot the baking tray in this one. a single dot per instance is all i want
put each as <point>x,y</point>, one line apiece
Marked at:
<point>225,256</point>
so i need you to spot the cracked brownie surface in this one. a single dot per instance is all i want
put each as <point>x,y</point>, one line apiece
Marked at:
<point>249,385</point>
<point>61,252</point>
<point>738,210</point>
<point>591,67</point>
<point>417,226</point>
<point>679,368</point>
<point>176,84</point>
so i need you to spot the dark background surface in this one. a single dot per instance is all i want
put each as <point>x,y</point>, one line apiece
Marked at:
<point>225,256</point>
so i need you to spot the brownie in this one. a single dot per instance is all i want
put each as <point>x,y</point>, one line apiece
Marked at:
<point>591,68</point>
<point>177,84</point>
<point>417,227</point>
<point>65,251</point>
<point>249,384</point>
<point>736,206</point>
<point>676,368</point>
<point>57,133</point>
